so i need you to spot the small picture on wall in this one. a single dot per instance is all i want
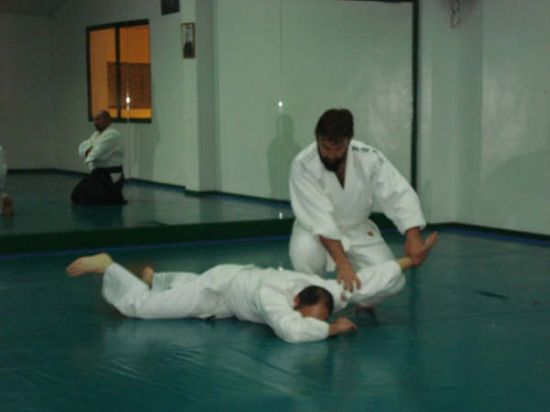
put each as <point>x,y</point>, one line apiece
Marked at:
<point>188,40</point>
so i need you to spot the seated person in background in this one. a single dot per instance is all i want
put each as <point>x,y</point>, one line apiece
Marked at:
<point>103,152</point>
<point>295,305</point>
<point>6,204</point>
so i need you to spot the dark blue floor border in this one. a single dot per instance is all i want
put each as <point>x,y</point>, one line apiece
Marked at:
<point>496,234</point>
<point>451,228</point>
<point>148,246</point>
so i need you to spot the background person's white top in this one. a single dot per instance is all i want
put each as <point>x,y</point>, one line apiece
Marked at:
<point>107,149</point>
<point>325,208</point>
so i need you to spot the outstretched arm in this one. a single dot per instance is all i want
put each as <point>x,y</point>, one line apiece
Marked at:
<point>385,279</point>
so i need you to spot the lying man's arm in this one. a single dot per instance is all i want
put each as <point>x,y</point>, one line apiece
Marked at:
<point>295,328</point>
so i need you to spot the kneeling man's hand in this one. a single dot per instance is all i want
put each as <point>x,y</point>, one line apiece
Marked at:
<point>348,278</point>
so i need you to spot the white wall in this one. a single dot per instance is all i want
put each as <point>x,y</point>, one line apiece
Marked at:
<point>485,96</point>
<point>511,188</point>
<point>26,109</point>
<point>311,55</point>
<point>450,79</point>
<point>209,169</point>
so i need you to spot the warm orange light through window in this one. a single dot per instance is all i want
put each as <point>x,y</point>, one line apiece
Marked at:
<point>123,85</point>
<point>102,52</point>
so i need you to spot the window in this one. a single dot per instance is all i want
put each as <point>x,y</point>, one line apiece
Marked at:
<point>119,70</point>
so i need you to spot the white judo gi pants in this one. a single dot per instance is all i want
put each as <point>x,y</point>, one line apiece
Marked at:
<point>187,295</point>
<point>173,295</point>
<point>308,255</point>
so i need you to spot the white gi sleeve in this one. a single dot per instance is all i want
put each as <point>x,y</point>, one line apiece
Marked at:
<point>294,328</point>
<point>107,144</point>
<point>310,204</point>
<point>396,196</point>
<point>378,282</point>
<point>84,146</point>
<point>289,324</point>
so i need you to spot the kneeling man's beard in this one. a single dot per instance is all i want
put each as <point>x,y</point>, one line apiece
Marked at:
<point>332,165</point>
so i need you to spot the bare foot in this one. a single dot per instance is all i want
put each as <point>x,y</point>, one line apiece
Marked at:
<point>147,275</point>
<point>89,264</point>
<point>7,206</point>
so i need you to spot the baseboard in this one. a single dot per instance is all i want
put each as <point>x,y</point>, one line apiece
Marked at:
<point>493,232</point>
<point>90,239</point>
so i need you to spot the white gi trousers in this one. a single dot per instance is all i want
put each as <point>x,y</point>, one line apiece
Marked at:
<point>308,255</point>
<point>173,295</point>
<point>227,290</point>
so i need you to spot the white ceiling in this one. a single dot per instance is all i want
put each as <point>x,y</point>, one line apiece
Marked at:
<point>34,7</point>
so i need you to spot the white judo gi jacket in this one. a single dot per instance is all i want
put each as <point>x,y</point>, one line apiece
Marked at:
<point>325,208</point>
<point>107,149</point>
<point>248,293</point>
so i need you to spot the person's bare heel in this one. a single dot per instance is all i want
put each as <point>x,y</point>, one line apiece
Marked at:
<point>147,275</point>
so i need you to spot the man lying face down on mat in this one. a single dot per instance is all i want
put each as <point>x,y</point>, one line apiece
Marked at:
<point>296,306</point>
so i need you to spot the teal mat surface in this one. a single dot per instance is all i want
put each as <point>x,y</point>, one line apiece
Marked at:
<point>46,220</point>
<point>43,205</point>
<point>468,333</point>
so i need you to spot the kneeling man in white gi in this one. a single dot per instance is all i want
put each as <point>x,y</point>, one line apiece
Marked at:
<point>296,306</point>
<point>334,183</point>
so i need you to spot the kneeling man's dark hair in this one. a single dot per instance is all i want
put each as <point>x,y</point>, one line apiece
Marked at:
<point>336,125</point>
<point>315,294</point>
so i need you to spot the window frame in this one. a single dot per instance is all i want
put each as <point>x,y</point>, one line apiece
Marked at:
<point>116,26</point>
